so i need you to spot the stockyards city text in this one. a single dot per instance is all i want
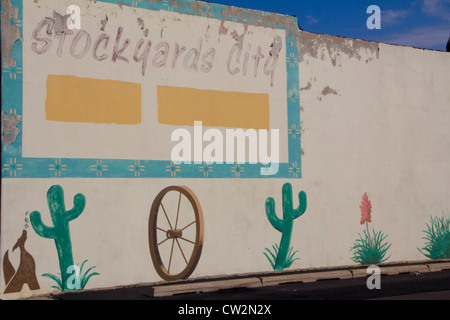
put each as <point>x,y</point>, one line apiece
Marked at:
<point>245,60</point>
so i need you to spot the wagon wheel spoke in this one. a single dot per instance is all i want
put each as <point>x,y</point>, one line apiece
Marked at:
<point>171,254</point>
<point>190,224</point>
<point>167,238</point>
<point>163,241</point>
<point>187,240</point>
<point>182,252</point>
<point>178,211</point>
<point>167,217</point>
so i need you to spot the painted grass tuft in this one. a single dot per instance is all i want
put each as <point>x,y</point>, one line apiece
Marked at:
<point>272,256</point>
<point>81,279</point>
<point>437,239</point>
<point>370,250</point>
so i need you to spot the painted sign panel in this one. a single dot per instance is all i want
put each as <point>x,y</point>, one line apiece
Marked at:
<point>103,98</point>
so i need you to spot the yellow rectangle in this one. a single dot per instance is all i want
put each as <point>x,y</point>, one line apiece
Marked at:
<point>183,106</point>
<point>86,100</point>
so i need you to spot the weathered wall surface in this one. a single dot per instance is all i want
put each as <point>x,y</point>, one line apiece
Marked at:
<point>371,118</point>
<point>374,119</point>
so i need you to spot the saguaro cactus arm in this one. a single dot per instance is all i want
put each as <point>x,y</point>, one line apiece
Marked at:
<point>288,206</point>
<point>301,206</point>
<point>79,202</point>
<point>276,222</point>
<point>39,226</point>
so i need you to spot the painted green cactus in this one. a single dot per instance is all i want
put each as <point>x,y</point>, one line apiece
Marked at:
<point>60,231</point>
<point>282,256</point>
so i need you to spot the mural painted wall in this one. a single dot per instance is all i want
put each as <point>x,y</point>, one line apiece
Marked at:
<point>123,125</point>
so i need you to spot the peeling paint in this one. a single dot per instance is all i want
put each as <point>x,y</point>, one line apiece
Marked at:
<point>239,38</point>
<point>104,22</point>
<point>307,87</point>
<point>60,22</point>
<point>254,17</point>
<point>248,16</point>
<point>222,29</point>
<point>10,32</point>
<point>142,26</point>
<point>10,129</point>
<point>317,46</point>
<point>50,24</point>
<point>276,46</point>
<point>244,15</point>
<point>327,90</point>
<point>141,23</point>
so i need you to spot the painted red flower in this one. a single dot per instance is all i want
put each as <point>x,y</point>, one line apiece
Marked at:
<point>366,209</point>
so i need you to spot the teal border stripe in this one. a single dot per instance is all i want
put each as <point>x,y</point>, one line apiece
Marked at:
<point>16,166</point>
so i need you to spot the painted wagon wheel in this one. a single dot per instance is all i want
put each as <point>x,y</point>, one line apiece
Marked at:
<point>174,232</point>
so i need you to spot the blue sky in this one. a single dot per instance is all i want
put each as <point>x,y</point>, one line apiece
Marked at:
<point>416,23</point>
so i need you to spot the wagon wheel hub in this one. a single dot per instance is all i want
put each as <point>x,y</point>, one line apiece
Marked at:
<point>174,234</point>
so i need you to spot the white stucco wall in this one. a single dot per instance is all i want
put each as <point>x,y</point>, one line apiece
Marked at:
<point>383,131</point>
<point>374,120</point>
